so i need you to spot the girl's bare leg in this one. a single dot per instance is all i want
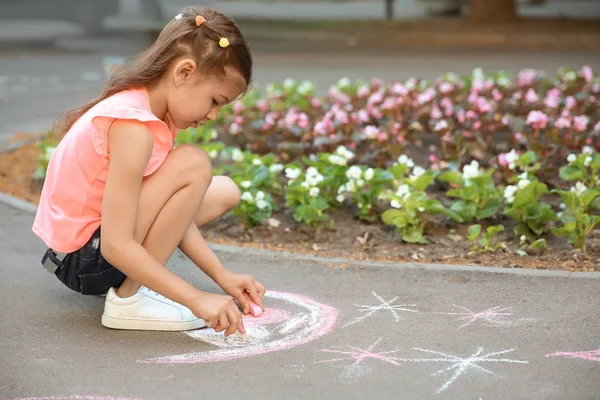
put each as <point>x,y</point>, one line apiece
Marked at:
<point>221,197</point>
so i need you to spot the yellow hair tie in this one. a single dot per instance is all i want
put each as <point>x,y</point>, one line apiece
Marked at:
<point>224,42</point>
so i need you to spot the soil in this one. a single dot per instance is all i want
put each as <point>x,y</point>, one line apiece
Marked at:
<point>349,238</point>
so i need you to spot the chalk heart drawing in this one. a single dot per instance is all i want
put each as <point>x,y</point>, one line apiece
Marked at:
<point>75,397</point>
<point>275,330</point>
<point>495,316</point>
<point>462,365</point>
<point>592,355</point>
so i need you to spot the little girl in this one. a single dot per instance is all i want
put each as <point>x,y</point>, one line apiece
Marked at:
<point>118,199</point>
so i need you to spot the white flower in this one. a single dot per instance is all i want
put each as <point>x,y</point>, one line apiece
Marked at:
<point>522,176</point>
<point>421,209</point>
<point>571,158</point>
<point>213,134</point>
<point>276,168</point>
<point>213,153</point>
<point>523,238</point>
<point>587,161</point>
<point>523,184</point>
<point>311,180</point>
<point>351,186</point>
<point>340,198</point>
<point>354,172</point>
<point>512,156</point>
<point>289,83</point>
<point>587,150</point>
<point>261,204</point>
<point>344,152</point>
<point>562,206</point>
<point>305,87</point>
<point>369,174</point>
<point>403,191</point>
<point>341,189</point>
<point>259,196</point>
<point>312,171</point>
<point>246,184</point>
<point>403,159</point>
<point>579,188</point>
<point>509,193</point>
<point>337,160</point>
<point>471,170</point>
<point>313,192</point>
<point>292,173</point>
<point>417,172</point>
<point>360,183</point>
<point>343,82</point>
<point>441,125</point>
<point>237,155</point>
<point>395,204</point>
<point>257,161</point>
<point>247,196</point>
<point>559,214</point>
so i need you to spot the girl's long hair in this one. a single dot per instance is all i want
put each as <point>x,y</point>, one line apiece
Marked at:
<point>180,37</point>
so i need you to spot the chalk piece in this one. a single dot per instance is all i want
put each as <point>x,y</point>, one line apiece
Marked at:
<point>241,335</point>
<point>255,309</point>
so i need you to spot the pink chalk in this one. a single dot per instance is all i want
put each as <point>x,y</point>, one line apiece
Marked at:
<point>255,309</point>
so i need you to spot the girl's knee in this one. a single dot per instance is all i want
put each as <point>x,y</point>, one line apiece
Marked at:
<point>193,162</point>
<point>231,194</point>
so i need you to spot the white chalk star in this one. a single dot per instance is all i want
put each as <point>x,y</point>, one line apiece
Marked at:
<point>463,365</point>
<point>385,305</point>
<point>358,355</point>
<point>493,316</point>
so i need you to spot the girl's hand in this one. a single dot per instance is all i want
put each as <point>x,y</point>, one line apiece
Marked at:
<point>236,284</point>
<point>219,312</point>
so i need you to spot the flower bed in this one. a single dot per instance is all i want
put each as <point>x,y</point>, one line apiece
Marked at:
<point>481,154</point>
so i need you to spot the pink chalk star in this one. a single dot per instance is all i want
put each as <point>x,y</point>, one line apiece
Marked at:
<point>592,355</point>
<point>358,355</point>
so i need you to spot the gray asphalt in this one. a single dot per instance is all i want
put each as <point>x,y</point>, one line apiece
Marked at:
<point>328,333</point>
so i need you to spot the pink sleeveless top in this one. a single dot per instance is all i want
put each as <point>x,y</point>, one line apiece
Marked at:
<point>70,208</point>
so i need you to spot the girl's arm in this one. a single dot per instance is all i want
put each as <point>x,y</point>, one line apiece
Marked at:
<point>195,247</point>
<point>130,146</point>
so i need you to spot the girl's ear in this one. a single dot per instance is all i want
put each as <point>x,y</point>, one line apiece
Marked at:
<point>183,71</point>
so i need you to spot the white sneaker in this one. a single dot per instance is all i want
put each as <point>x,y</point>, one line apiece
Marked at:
<point>148,311</point>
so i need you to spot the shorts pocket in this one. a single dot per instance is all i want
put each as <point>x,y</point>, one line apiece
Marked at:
<point>101,279</point>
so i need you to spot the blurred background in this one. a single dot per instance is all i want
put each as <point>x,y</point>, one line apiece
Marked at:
<point>54,53</point>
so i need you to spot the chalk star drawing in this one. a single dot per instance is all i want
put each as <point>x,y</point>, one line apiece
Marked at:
<point>592,355</point>
<point>358,355</point>
<point>492,316</point>
<point>385,305</point>
<point>462,365</point>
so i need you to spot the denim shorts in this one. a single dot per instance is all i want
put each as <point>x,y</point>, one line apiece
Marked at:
<point>85,270</point>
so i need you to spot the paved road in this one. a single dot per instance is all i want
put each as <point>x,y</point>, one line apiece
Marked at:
<point>328,333</point>
<point>35,86</point>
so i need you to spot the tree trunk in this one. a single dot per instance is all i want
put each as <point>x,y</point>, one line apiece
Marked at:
<point>492,11</point>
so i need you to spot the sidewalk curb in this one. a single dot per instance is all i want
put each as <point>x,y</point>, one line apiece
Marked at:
<point>32,209</point>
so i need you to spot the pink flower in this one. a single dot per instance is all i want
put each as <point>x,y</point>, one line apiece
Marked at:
<point>377,113</point>
<point>562,123</point>
<point>517,95</point>
<point>467,134</point>
<point>377,82</point>
<point>262,105</point>
<point>352,145</point>
<point>447,138</point>
<point>483,105</point>
<point>596,88</point>
<point>505,120</point>
<point>376,98</point>
<point>396,126</point>
<point>441,125</point>
<point>478,86</point>
<point>400,139</point>
<point>477,125</point>
<point>332,136</point>
<point>460,115</point>
<point>587,73</point>
<point>531,96</point>
<point>238,119</point>
<point>388,103</point>
<point>497,95</point>
<point>471,114</point>
<point>426,96</point>
<point>315,102</point>
<point>526,77</point>
<point>518,136</point>
<point>234,129</point>
<point>435,112</point>
<point>371,132</point>
<point>580,123</point>
<point>432,158</point>
<point>382,136</point>
<point>552,99</point>
<point>363,116</point>
<point>238,107</point>
<point>502,160</point>
<point>537,119</point>
<point>363,92</point>
<point>570,103</point>
<point>588,140</point>
<point>399,89</point>
<point>597,127</point>
<point>303,121</point>
<point>446,87</point>
<point>473,96</point>
<point>399,100</point>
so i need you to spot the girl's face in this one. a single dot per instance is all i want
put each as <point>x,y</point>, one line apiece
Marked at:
<point>193,99</point>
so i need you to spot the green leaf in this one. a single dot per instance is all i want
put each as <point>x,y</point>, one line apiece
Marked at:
<point>474,231</point>
<point>571,173</point>
<point>492,230</point>
<point>530,195</point>
<point>466,211</point>
<point>490,208</point>
<point>423,181</point>
<point>539,244</point>
<point>398,170</point>
<point>435,207</point>
<point>565,230</point>
<point>389,216</point>
<point>453,177</point>
<point>588,196</point>
<point>414,237</point>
